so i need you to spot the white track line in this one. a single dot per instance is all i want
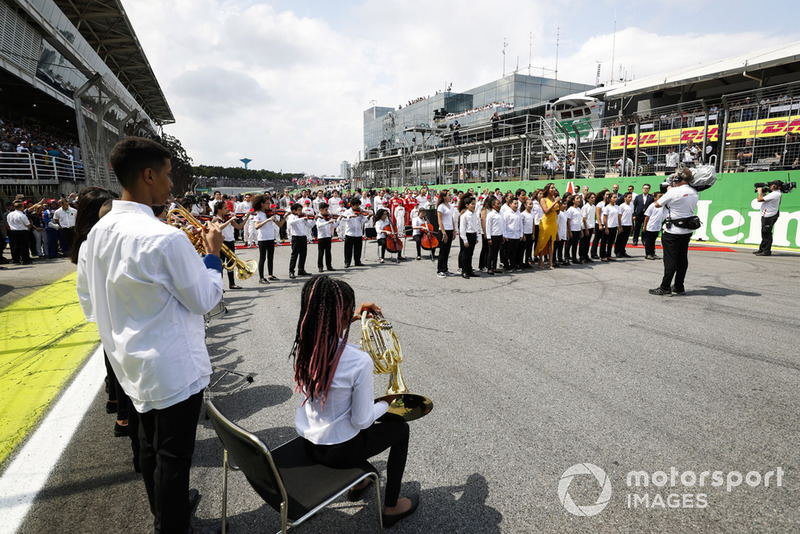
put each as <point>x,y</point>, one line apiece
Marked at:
<point>28,472</point>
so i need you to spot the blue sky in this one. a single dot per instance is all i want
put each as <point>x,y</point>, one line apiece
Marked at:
<point>286,82</point>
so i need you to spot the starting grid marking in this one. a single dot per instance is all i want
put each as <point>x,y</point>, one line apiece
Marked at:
<point>44,339</point>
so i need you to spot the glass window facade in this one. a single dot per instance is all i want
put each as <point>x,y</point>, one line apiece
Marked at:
<point>384,128</point>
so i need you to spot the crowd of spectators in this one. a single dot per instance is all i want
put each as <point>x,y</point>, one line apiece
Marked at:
<point>16,137</point>
<point>37,229</point>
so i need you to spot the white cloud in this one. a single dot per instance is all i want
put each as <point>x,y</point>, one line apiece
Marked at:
<point>288,90</point>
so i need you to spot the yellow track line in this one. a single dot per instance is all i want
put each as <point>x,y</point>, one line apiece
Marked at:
<point>44,339</point>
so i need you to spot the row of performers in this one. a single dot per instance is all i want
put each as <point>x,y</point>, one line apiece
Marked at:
<point>518,234</point>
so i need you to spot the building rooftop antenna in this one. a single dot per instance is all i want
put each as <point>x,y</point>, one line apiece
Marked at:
<point>505,45</point>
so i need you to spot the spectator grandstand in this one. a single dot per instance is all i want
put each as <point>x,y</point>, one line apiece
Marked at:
<point>74,80</point>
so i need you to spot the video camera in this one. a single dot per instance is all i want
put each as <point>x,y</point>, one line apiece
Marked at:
<point>783,187</point>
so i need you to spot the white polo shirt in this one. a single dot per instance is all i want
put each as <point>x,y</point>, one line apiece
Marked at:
<point>771,204</point>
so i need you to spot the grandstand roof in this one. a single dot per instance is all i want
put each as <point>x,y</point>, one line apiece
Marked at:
<point>105,26</point>
<point>759,66</point>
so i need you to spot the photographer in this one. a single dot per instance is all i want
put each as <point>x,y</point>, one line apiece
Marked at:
<point>680,201</point>
<point>770,210</point>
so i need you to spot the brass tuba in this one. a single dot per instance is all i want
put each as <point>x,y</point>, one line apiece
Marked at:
<point>231,262</point>
<point>379,341</point>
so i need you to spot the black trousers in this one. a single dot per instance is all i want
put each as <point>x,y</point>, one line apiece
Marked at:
<point>649,242</point>
<point>299,251</point>
<point>766,233</point>
<point>572,246</point>
<point>585,241</point>
<point>324,252</point>
<point>65,237</point>
<point>166,439</point>
<point>676,258</point>
<point>598,238</point>
<point>638,221</point>
<point>418,240</point>
<point>392,435</point>
<point>495,247</point>
<point>465,254</point>
<point>352,248</point>
<point>512,253</point>
<point>382,244</point>
<point>527,249</point>
<point>231,246</point>
<point>483,257</point>
<point>558,250</point>
<point>607,242</point>
<point>18,240</point>
<point>622,240</point>
<point>266,251</point>
<point>444,251</point>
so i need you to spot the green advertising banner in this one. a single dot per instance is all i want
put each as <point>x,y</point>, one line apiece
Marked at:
<point>729,210</point>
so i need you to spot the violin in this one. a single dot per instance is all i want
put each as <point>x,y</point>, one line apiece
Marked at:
<point>429,241</point>
<point>271,212</point>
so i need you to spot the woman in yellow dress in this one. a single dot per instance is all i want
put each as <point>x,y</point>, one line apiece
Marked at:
<point>548,226</point>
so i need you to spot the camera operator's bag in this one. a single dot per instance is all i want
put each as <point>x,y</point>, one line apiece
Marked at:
<point>703,177</point>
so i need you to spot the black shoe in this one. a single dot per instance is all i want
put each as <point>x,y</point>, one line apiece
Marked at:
<point>359,265</point>
<point>759,253</point>
<point>321,271</point>
<point>303,273</point>
<point>270,277</point>
<point>330,268</point>
<point>465,275</point>
<point>354,494</point>
<point>263,281</point>
<point>29,262</point>
<point>660,291</point>
<point>346,265</point>
<point>595,257</point>
<point>677,291</point>
<point>292,276</point>
<point>214,529</point>
<point>111,407</point>
<point>391,520</point>
<point>120,431</point>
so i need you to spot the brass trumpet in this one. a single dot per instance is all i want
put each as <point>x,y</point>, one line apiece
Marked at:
<point>379,341</point>
<point>231,262</point>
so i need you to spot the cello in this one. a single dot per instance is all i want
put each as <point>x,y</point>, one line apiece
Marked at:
<point>393,243</point>
<point>429,240</point>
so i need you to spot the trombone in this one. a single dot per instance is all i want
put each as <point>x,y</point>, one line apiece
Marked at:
<point>379,341</point>
<point>230,261</point>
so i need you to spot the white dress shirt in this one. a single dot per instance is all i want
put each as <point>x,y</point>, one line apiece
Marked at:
<point>65,217</point>
<point>527,222</point>
<point>575,219</point>
<point>350,406</point>
<point>561,233</point>
<point>17,221</point>
<point>513,225</point>
<point>324,227</point>
<point>353,223</point>
<point>468,224</point>
<point>495,226</point>
<point>143,283</point>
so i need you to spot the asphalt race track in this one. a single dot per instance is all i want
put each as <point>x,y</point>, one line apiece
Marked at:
<point>531,374</point>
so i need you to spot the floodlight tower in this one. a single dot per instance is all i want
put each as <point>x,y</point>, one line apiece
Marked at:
<point>245,161</point>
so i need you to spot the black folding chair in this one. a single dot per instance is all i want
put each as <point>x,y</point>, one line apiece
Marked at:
<point>286,478</point>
